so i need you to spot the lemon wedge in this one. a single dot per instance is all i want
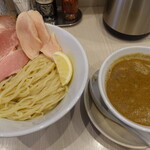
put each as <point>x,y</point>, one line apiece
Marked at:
<point>64,67</point>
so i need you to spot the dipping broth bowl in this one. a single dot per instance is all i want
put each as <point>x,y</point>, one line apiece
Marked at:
<point>102,82</point>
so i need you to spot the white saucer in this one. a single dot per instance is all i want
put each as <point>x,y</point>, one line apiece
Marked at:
<point>109,128</point>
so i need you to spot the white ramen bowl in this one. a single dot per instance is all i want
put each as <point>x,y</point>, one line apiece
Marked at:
<point>75,51</point>
<point>101,82</point>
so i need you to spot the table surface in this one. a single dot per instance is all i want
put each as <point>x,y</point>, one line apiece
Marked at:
<point>75,131</point>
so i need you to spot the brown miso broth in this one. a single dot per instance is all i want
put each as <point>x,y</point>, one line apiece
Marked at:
<point>128,87</point>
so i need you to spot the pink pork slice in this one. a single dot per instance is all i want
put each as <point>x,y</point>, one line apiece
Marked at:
<point>49,42</point>
<point>12,63</point>
<point>51,47</point>
<point>39,25</point>
<point>7,22</point>
<point>8,42</point>
<point>27,35</point>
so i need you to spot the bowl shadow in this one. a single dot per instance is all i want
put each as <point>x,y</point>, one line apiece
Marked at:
<point>59,135</point>
<point>46,137</point>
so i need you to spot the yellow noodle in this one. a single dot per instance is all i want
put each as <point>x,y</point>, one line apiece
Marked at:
<point>32,92</point>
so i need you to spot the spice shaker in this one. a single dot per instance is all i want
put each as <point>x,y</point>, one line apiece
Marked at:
<point>47,9</point>
<point>70,9</point>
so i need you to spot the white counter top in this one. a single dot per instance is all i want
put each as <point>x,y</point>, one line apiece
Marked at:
<point>75,131</point>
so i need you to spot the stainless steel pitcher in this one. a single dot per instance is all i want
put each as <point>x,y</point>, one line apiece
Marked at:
<point>130,17</point>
